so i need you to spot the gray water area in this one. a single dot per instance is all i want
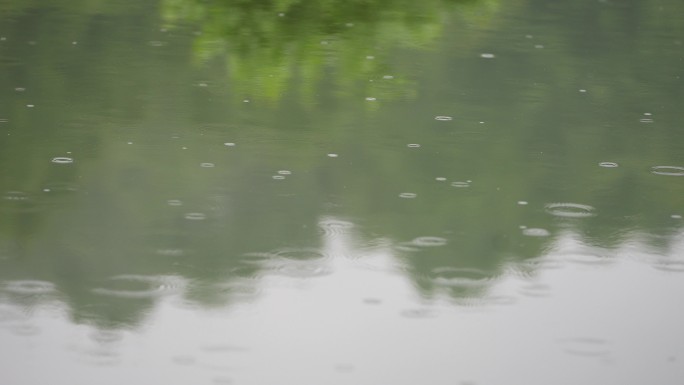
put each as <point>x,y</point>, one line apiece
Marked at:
<point>444,192</point>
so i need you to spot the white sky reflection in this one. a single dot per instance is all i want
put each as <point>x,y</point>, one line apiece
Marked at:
<point>571,323</point>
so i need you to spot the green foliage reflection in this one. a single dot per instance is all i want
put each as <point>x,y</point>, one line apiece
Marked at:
<point>106,220</point>
<point>274,47</point>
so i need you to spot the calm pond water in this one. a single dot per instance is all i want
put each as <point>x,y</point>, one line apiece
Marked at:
<point>479,192</point>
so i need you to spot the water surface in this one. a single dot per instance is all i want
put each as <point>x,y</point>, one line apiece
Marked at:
<point>451,192</point>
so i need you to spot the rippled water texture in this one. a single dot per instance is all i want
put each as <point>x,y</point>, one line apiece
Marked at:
<point>438,192</point>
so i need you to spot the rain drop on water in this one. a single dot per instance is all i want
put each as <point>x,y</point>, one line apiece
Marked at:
<point>570,210</point>
<point>429,241</point>
<point>460,184</point>
<point>535,232</point>
<point>62,160</point>
<point>408,195</point>
<point>608,164</point>
<point>30,287</point>
<point>443,118</point>
<point>668,170</point>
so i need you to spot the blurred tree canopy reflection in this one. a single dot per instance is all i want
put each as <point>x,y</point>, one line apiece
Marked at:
<point>272,46</point>
<point>105,221</point>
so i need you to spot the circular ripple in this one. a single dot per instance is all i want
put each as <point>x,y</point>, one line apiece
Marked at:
<point>541,263</point>
<point>668,170</point>
<point>570,210</point>
<point>460,184</point>
<point>302,270</point>
<point>257,258</point>
<point>406,246</point>
<point>443,118</point>
<point>196,216</point>
<point>429,241</point>
<point>536,232</point>
<point>30,287</point>
<point>609,164</point>
<point>246,272</point>
<point>408,195</point>
<point>334,227</point>
<point>140,286</point>
<point>304,254</point>
<point>454,276</point>
<point>587,258</point>
<point>62,160</point>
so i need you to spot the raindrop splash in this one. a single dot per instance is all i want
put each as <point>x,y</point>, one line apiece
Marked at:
<point>30,287</point>
<point>536,232</point>
<point>429,241</point>
<point>460,184</point>
<point>62,160</point>
<point>570,210</point>
<point>668,170</point>
<point>196,216</point>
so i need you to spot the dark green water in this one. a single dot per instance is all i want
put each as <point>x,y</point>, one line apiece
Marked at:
<point>445,192</point>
